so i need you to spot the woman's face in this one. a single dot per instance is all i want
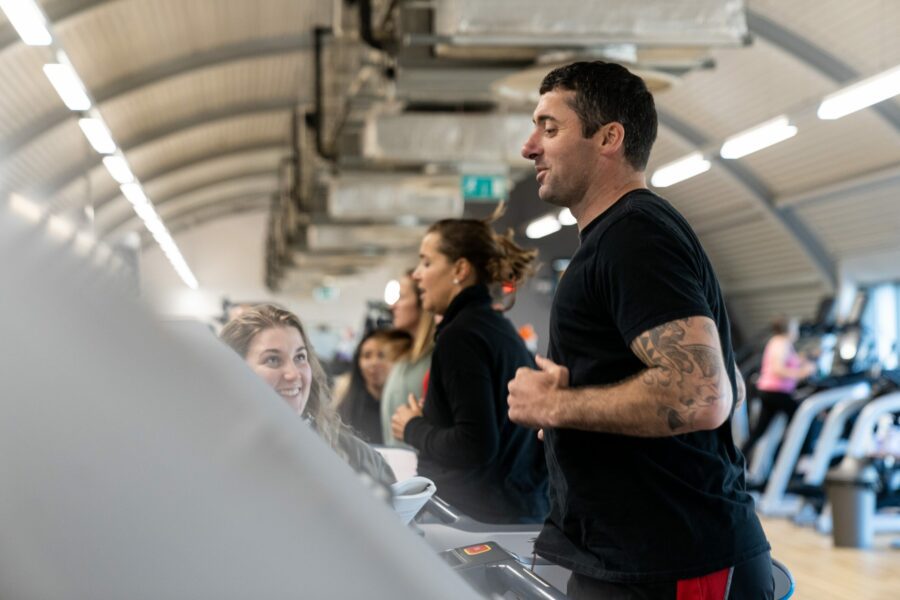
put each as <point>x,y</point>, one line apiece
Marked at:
<point>434,275</point>
<point>374,363</point>
<point>406,309</point>
<point>281,358</point>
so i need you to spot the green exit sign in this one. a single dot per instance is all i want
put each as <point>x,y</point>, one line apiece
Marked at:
<point>483,187</point>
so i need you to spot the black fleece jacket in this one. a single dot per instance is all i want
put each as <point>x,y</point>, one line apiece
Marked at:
<point>483,464</point>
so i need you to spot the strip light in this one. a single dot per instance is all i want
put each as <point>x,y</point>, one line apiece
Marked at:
<point>566,218</point>
<point>98,135</point>
<point>674,172</point>
<point>67,84</point>
<point>134,193</point>
<point>28,20</point>
<point>757,138</point>
<point>118,168</point>
<point>860,95</point>
<point>542,227</point>
<point>32,26</point>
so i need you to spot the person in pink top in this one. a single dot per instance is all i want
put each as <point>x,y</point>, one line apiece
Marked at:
<point>782,368</point>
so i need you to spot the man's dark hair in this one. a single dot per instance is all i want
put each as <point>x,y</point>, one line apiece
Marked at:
<point>607,92</point>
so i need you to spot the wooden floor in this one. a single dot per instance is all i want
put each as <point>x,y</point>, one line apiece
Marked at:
<point>824,572</point>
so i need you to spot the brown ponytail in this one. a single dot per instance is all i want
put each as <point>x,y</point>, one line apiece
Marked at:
<point>496,258</point>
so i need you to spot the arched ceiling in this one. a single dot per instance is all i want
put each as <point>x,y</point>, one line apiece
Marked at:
<point>202,92</point>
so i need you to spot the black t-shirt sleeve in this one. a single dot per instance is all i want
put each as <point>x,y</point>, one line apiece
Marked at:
<point>649,276</point>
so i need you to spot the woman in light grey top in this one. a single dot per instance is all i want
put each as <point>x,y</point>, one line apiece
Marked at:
<point>409,374</point>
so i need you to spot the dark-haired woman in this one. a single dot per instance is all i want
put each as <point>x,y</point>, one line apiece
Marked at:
<point>360,408</point>
<point>485,465</point>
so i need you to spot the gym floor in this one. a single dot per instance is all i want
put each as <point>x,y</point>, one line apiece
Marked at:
<point>824,572</point>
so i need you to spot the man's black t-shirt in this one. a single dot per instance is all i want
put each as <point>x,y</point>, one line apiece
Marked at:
<point>633,509</point>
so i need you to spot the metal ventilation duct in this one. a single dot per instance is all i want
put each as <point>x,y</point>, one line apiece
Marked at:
<point>419,138</point>
<point>568,23</point>
<point>394,198</point>
<point>346,237</point>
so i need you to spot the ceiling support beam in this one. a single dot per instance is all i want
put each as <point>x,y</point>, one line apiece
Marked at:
<point>174,198</point>
<point>148,179</point>
<point>816,58</point>
<point>196,216</point>
<point>181,66</point>
<point>276,105</point>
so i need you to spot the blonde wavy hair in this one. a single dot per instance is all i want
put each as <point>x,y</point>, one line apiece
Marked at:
<point>239,333</point>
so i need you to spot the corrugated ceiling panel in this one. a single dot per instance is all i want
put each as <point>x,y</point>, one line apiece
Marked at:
<point>709,197</point>
<point>122,38</point>
<point>191,144</point>
<point>864,34</point>
<point>119,210</point>
<point>93,187</point>
<point>46,158</point>
<point>668,147</point>
<point>705,199</point>
<point>756,254</point>
<point>824,152</point>
<point>753,312</point>
<point>747,86</point>
<point>857,224</point>
<point>248,186</point>
<point>240,83</point>
<point>212,171</point>
<point>27,93</point>
<point>167,153</point>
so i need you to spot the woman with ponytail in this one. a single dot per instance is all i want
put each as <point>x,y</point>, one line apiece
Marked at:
<point>483,464</point>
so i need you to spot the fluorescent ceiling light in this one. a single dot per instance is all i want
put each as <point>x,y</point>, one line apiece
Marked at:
<point>674,172</point>
<point>566,217</point>
<point>757,138</point>
<point>392,292</point>
<point>60,227</point>
<point>146,213</point>
<point>29,209</point>
<point>67,84</point>
<point>28,21</point>
<point>134,194</point>
<point>118,168</point>
<point>542,227</point>
<point>98,135</point>
<point>860,95</point>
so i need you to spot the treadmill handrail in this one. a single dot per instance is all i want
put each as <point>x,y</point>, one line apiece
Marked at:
<point>829,438</point>
<point>796,433</point>
<point>443,511</point>
<point>862,429</point>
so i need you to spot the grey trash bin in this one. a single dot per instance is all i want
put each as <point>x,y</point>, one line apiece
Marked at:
<point>851,487</point>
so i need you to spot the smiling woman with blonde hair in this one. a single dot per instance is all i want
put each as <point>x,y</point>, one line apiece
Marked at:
<point>275,346</point>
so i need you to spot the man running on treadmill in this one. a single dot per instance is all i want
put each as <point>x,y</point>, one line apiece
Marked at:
<point>647,488</point>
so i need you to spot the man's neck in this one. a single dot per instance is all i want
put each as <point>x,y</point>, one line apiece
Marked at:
<point>597,200</point>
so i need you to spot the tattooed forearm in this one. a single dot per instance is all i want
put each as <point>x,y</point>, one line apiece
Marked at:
<point>684,387</point>
<point>684,360</point>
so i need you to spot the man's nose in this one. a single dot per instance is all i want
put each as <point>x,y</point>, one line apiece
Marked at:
<point>531,149</point>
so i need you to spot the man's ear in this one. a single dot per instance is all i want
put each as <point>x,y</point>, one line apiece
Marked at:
<point>610,138</point>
